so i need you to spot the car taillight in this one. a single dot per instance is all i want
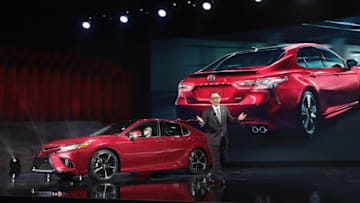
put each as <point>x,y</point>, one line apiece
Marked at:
<point>263,83</point>
<point>185,86</point>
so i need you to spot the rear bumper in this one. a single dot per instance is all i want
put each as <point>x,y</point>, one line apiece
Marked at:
<point>262,108</point>
<point>256,114</point>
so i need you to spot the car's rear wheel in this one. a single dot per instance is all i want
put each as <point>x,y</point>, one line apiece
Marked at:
<point>103,165</point>
<point>309,114</point>
<point>198,161</point>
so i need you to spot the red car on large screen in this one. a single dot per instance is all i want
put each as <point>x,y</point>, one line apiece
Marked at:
<point>142,145</point>
<point>284,86</point>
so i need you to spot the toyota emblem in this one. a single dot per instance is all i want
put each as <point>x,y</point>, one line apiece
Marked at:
<point>211,78</point>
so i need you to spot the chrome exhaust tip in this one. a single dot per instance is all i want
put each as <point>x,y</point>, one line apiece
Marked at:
<point>263,129</point>
<point>255,129</point>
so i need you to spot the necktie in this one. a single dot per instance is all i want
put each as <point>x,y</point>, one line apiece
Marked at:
<point>218,114</point>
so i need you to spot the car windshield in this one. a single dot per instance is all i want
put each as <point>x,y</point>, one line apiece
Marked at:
<point>113,129</point>
<point>261,57</point>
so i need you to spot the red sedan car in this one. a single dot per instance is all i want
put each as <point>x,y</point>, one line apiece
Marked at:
<point>142,145</point>
<point>285,86</point>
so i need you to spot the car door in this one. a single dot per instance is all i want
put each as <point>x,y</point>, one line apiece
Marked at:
<point>143,152</point>
<point>347,80</point>
<point>177,143</point>
<point>325,79</point>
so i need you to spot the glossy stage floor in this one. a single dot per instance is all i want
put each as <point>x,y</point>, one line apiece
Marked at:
<point>252,184</point>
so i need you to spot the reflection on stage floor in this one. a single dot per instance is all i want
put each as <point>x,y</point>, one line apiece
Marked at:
<point>261,184</point>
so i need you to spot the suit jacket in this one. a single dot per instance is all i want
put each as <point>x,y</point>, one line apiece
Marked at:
<point>213,127</point>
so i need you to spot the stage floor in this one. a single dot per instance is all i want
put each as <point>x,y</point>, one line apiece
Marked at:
<point>257,184</point>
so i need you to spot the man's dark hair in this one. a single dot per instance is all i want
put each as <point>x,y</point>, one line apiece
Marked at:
<point>214,92</point>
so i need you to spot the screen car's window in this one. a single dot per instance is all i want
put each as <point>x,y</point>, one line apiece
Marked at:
<point>247,59</point>
<point>113,129</point>
<point>146,129</point>
<point>170,129</point>
<point>331,60</point>
<point>309,57</point>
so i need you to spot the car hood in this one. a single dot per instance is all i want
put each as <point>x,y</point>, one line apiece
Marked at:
<point>79,140</point>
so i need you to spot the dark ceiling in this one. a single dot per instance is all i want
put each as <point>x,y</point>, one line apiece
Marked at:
<point>59,21</point>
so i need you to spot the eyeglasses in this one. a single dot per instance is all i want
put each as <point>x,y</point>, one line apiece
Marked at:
<point>214,98</point>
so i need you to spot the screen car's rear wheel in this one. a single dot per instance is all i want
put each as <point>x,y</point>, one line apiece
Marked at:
<point>103,165</point>
<point>198,161</point>
<point>309,115</point>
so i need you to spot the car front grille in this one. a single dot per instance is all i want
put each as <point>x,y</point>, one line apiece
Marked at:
<point>42,165</point>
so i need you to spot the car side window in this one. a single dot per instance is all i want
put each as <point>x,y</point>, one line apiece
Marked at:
<point>170,129</point>
<point>309,57</point>
<point>185,131</point>
<point>331,60</point>
<point>146,130</point>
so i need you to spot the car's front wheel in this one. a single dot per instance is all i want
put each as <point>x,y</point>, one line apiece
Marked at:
<point>103,165</point>
<point>197,161</point>
<point>309,115</point>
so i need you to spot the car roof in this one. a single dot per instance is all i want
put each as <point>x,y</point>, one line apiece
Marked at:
<point>287,46</point>
<point>298,45</point>
<point>149,119</point>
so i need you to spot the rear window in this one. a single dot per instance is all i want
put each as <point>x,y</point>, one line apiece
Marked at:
<point>260,57</point>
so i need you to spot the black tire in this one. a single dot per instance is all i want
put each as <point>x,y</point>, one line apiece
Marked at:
<point>103,165</point>
<point>198,161</point>
<point>309,114</point>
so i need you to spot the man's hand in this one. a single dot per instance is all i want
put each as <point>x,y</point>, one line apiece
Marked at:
<point>242,116</point>
<point>201,121</point>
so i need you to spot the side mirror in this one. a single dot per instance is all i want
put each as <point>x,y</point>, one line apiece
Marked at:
<point>351,62</point>
<point>134,134</point>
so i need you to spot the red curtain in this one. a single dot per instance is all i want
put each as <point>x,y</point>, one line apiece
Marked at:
<point>53,87</point>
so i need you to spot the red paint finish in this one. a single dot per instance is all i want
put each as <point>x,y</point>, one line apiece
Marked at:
<point>335,89</point>
<point>141,154</point>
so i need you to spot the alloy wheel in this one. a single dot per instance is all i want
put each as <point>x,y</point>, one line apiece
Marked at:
<point>309,113</point>
<point>104,165</point>
<point>197,161</point>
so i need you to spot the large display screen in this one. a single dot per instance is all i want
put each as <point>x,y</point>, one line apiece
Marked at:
<point>299,86</point>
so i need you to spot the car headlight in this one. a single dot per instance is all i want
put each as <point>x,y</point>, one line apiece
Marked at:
<point>73,146</point>
<point>264,83</point>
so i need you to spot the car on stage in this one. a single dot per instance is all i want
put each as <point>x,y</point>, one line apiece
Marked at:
<point>285,86</point>
<point>137,145</point>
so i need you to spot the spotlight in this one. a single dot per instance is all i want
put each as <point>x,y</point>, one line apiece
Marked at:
<point>258,1</point>
<point>162,13</point>
<point>105,15</point>
<point>15,168</point>
<point>174,4</point>
<point>86,24</point>
<point>124,19</point>
<point>206,5</point>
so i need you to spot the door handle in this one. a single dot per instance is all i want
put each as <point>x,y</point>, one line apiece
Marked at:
<point>313,75</point>
<point>158,141</point>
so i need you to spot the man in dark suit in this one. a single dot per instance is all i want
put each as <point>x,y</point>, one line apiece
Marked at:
<point>214,119</point>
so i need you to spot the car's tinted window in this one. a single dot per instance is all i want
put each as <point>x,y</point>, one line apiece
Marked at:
<point>331,60</point>
<point>147,129</point>
<point>170,129</point>
<point>247,59</point>
<point>113,129</point>
<point>309,57</point>
<point>185,130</point>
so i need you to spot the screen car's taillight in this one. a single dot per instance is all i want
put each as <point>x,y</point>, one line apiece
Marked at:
<point>263,83</point>
<point>185,86</point>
